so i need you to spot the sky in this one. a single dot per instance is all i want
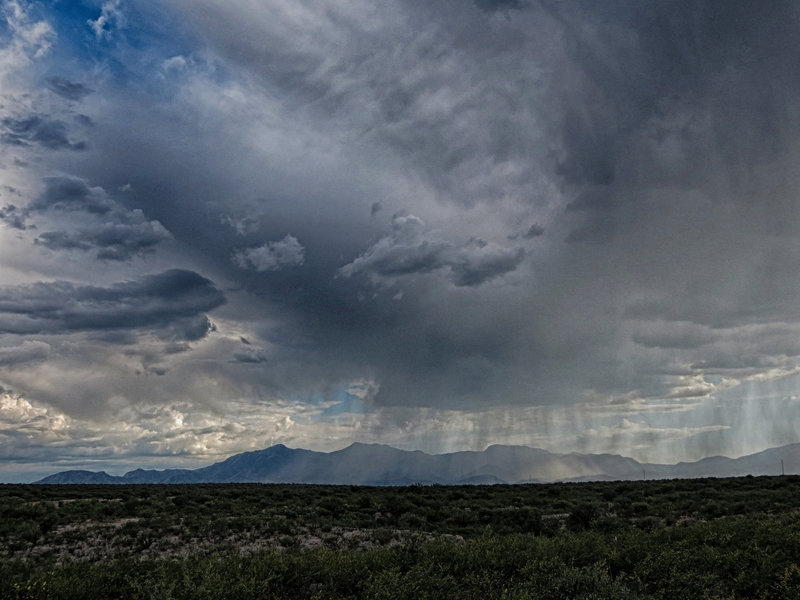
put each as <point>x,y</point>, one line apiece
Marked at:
<point>565,224</point>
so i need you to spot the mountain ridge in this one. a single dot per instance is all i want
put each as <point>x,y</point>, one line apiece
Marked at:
<point>379,464</point>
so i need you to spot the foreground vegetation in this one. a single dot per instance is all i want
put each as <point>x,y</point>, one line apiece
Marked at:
<point>704,538</point>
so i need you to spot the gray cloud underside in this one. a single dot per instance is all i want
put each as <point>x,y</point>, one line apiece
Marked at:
<point>114,232</point>
<point>73,194</point>
<point>411,250</point>
<point>28,351</point>
<point>113,241</point>
<point>661,129</point>
<point>621,129</point>
<point>154,302</point>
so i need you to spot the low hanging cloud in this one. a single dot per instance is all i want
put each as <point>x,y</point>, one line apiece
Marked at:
<point>101,224</point>
<point>272,256</point>
<point>69,193</point>
<point>172,303</point>
<point>412,249</point>
<point>26,352</point>
<point>112,241</point>
<point>680,335</point>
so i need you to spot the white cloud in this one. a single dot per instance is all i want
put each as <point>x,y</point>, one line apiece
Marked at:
<point>110,16</point>
<point>29,39</point>
<point>175,63</point>
<point>24,425</point>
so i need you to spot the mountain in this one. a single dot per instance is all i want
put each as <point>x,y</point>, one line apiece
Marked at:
<point>70,477</point>
<point>376,464</point>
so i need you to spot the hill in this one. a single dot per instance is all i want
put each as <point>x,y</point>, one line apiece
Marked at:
<point>376,464</point>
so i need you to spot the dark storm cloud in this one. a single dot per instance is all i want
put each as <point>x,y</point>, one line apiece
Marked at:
<point>413,250</point>
<point>599,230</point>
<point>596,198</point>
<point>476,264</point>
<point>36,129</point>
<point>68,89</point>
<point>677,196</point>
<point>462,107</point>
<point>188,329</point>
<point>73,194</point>
<point>534,230</point>
<point>112,231</point>
<point>492,5</point>
<point>673,335</point>
<point>656,138</point>
<point>407,251</point>
<point>526,96</point>
<point>751,363</point>
<point>698,57</point>
<point>619,127</point>
<point>84,120</point>
<point>112,241</point>
<point>171,302</point>
<point>116,337</point>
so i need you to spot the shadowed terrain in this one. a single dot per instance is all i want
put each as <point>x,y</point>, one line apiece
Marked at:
<point>699,538</point>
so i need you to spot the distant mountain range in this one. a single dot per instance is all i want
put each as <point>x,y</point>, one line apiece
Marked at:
<point>375,464</point>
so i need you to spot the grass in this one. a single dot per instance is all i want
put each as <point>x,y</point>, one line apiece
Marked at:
<point>704,538</point>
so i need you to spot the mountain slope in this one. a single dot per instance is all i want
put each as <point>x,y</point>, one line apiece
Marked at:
<point>375,464</point>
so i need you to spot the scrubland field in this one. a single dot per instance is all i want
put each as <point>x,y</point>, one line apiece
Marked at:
<point>702,538</point>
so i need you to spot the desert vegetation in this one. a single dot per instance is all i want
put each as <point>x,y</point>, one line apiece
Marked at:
<point>703,538</point>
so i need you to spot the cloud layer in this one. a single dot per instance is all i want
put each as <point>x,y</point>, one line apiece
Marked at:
<point>411,250</point>
<point>567,224</point>
<point>154,301</point>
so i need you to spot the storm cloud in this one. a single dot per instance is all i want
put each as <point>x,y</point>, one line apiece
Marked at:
<point>567,224</point>
<point>24,353</point>
<point>113,241</point>
<point>411,249</point>
<point>99,223</point>
<point>72,194</point>
<point>152,302</point>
